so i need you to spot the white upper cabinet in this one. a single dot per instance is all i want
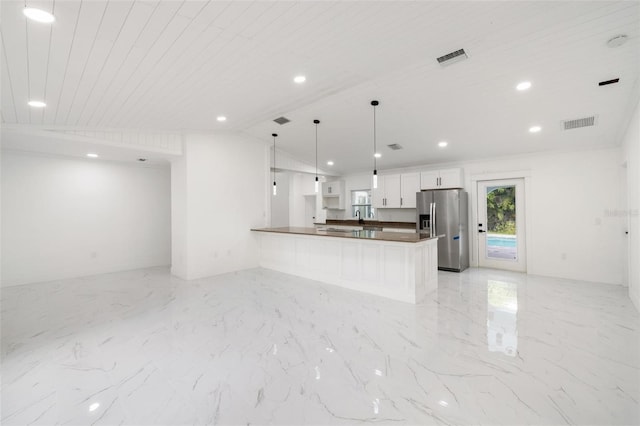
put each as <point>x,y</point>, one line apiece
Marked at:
<point>441,179</point>
<point>387,194</point>
<point>396,191</point>
<point>392,192</point>
<point>333,195</point>
<point>332,189</point>
<point>409,185</point>
<point>451,178</point>
<point>429,180</point>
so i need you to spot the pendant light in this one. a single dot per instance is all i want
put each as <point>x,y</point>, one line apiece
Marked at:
<point>275,191</point>
<point>375,171</point>
<point>316,122</point>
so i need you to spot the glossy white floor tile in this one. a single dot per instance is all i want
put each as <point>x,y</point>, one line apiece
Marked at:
<point>260,347</point>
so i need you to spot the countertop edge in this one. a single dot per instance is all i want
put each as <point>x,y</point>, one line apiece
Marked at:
<point>393,237</point>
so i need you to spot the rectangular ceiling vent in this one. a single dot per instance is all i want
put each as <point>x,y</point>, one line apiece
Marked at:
<point>395,146</point>
<point>453,57</point>
<point>579,122</point>
<point>282,120</point>
<point>608,82</point>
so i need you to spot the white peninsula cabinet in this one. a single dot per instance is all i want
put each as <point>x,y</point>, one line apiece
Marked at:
<point>441,179</point>
<point>400,266</point>
<point>396,191</point>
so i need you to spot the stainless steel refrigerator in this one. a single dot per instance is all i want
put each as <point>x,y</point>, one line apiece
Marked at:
<point>443,212</point>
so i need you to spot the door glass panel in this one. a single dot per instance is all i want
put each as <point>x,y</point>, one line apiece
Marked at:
<point>502,241</point>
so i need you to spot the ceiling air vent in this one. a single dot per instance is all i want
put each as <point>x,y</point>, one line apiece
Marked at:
<point>607,82</point>
<point>395,146</point>
<point>453,57</point>
<point>282,120</point>
<point>579,122</point>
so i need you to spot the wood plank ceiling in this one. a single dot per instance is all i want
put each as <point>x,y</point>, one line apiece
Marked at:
<point>171,65</point>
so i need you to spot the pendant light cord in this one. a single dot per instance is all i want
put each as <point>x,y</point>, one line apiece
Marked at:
<point>274,157</point>
<point>316,149</point>
<point>374,139</point>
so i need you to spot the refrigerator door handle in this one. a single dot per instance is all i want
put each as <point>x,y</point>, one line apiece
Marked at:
<point>435,223</point>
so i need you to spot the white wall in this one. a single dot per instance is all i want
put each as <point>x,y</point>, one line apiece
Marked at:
<point>573,233</point>
<point>280,203</point>
<point>221,189</point>
<point>179,228</point>
<point>631,154</point>
<point>65,217</point>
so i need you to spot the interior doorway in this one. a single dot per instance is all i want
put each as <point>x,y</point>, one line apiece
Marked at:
<point>309,210</point>
<point>501,225</point>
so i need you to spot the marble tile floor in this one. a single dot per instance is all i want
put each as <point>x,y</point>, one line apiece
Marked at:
<point>261,347</point>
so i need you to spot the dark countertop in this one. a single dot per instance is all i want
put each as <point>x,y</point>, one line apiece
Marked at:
<point>364,235</point>
<point>379,224</point>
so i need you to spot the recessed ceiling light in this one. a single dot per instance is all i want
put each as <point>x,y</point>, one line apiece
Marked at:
<point>535,129</point>
<point>221,118</point>
<point>377,155</point>
<point>38,15</point>
<point>92,155</point>
<point>300,79</point>
<point>37,104</point>
<point>442,144</point>
<point>525,85</point>
<point>329,163</point>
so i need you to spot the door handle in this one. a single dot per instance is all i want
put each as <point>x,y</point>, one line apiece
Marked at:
<point>480,230</point>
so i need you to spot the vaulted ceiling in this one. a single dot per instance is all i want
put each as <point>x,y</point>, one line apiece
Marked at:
<point>177,65</point>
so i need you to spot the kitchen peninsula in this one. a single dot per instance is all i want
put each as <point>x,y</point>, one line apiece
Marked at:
<point>395,265</point>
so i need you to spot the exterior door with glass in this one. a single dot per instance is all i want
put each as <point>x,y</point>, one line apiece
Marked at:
<point>501,225</point>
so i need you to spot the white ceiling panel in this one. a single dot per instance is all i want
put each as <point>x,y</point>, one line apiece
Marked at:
<point>170,65</point>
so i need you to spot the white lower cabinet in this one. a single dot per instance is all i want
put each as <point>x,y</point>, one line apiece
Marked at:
<point>401,271</point>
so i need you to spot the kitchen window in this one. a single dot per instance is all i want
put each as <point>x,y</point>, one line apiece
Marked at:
<point>361,201</point>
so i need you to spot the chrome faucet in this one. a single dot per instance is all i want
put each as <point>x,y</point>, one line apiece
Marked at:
<point>359,216</point>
